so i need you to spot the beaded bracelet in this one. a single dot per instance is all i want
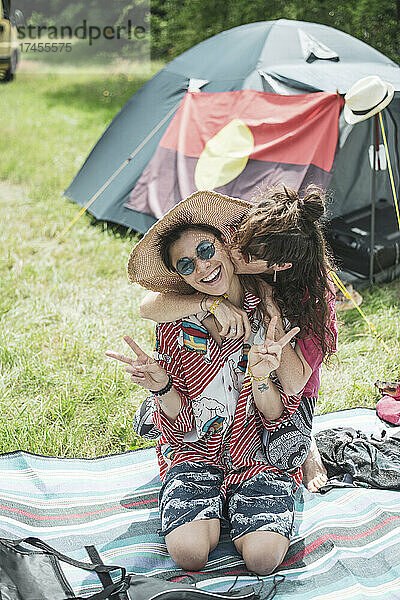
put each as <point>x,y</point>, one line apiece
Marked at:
<point>216,303</point>
<point>165,389</point>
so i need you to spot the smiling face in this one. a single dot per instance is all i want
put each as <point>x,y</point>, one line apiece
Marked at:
<point>213,276</point>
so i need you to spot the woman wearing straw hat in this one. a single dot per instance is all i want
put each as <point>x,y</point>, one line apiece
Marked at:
<point>213,396</point>
<point>280,240</point>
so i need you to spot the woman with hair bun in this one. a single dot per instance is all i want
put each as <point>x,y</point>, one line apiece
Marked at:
<point>283,233</point>
<point>280,254</point>
<point>284,230</point>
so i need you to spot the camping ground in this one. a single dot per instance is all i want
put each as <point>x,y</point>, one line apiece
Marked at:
<point>65,300</point>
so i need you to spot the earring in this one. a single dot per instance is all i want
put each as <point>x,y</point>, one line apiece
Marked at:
<point>274,279</point>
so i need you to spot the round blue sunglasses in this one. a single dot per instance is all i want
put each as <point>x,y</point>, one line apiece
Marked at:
<point>205,250</point>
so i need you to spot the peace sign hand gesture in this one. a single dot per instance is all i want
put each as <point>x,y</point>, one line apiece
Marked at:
<point>144,371</point>
<point>265,358</point>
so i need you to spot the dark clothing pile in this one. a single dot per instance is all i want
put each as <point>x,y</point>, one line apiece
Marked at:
<point>354,459</point>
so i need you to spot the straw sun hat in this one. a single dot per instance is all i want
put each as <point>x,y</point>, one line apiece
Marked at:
<point>145,265</point>
<point>366,98</point>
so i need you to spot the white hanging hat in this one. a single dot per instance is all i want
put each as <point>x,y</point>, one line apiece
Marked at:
<point>366,97</point>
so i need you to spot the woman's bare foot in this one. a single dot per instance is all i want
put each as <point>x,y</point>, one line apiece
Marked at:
<point>314,472</point>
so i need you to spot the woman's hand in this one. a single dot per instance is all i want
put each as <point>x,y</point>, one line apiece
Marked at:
<point>234,321</point>
<point>265,358</point>
<point>144,370</point>
<point>249,267</point>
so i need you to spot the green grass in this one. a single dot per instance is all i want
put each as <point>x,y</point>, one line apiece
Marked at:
<point>63,302</point>
<point>362,359</point>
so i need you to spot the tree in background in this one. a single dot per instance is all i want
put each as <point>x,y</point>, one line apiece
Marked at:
<point>177,25</point>
<point>95,12</point>
<point>378,24</point>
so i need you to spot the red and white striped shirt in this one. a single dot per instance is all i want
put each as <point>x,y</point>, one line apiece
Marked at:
<point>218,422</point>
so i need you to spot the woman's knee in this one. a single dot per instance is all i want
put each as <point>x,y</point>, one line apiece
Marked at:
<point>263,551</point>
<point>189,555</point>
<point>262,564</point>
<point>189,545</point>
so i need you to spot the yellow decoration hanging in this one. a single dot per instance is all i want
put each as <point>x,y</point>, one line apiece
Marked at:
<point>224,156</point>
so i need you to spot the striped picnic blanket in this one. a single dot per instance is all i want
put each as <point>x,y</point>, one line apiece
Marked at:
<point>346,543</point>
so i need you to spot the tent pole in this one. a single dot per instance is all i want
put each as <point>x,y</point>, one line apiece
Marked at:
<point>373,199</point>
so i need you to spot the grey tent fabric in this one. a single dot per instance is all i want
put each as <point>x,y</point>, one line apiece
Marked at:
<point>265,56</point>
<point>351,181</point>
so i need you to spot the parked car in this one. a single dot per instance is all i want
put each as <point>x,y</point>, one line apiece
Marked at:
<point>8,42</point>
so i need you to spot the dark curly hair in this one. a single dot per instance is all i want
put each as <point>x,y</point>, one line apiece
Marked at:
<point>282,228</point>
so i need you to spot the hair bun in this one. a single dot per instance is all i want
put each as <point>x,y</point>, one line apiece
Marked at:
<point>291,195</point>
<point>313,203</point>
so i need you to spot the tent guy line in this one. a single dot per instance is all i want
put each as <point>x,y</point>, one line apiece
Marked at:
<point>343,289</point>
<point>118,171</point>
<point>390,169</point>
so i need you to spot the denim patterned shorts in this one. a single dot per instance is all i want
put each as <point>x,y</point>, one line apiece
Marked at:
<point>192,491</point>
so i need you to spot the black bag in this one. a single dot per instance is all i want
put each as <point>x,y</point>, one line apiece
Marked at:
<point>350,238</point>
<point>31,575</point>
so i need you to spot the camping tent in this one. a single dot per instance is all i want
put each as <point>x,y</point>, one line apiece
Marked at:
<point>281,57</point>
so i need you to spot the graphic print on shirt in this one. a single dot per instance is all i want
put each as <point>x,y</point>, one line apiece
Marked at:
<point>213,425</point>
<point>158,355</point>
<point>209,414</point>
<point>194,338</point>
<point>238,367</point>
<point>161,356</point>
<point>255,326</point>
<point>243,360</point>
<point>167,453</point>
<point>237,375</point>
